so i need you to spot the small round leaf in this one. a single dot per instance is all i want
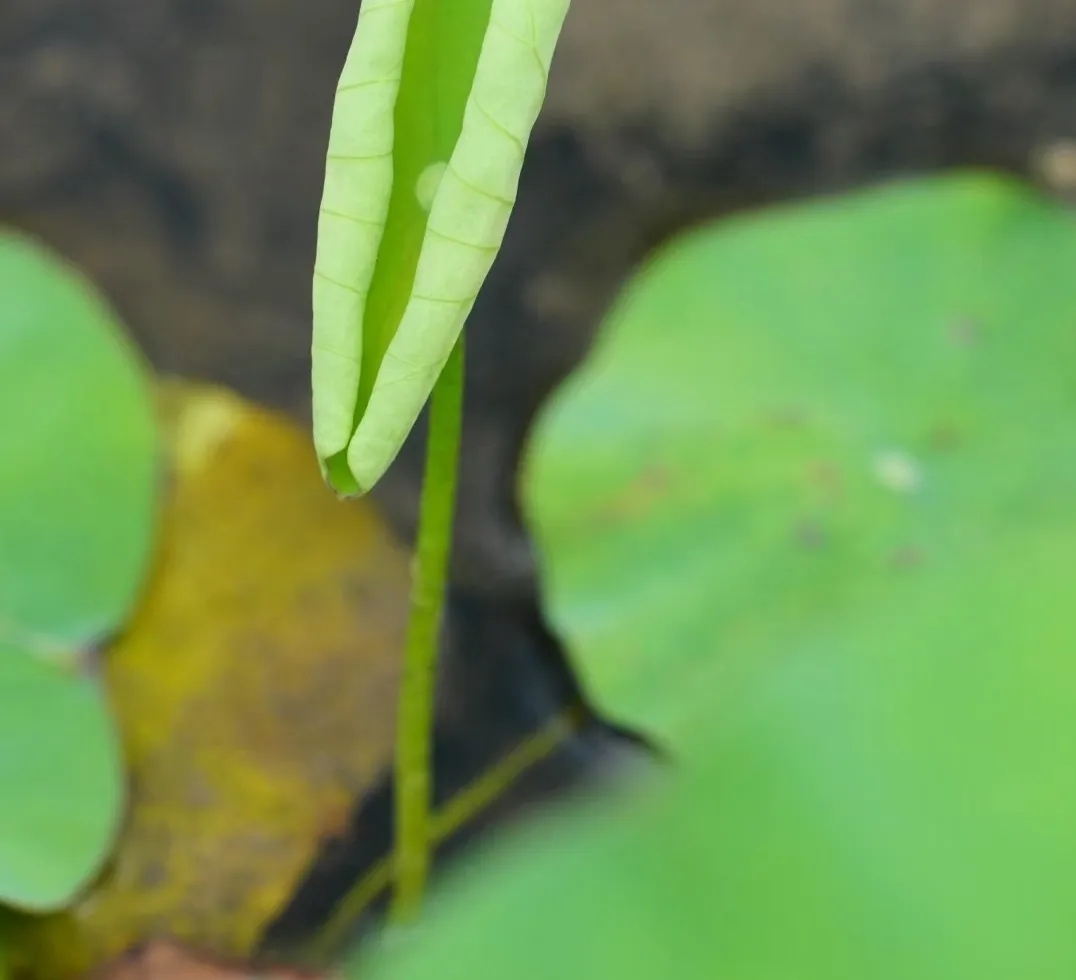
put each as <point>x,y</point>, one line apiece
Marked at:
<point>60,780</point>
<point>77,447</point>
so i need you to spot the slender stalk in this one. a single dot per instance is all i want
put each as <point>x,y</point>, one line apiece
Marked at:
<point>415,711</point>
<point>331,937</point>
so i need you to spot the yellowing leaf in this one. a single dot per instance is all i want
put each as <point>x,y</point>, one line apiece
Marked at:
<point>78,486</point>
<point>254,690</point>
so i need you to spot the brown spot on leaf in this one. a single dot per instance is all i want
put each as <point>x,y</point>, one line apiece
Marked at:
<point>945,437</point>
<point>965,332</point>
<point>639,496</point>
<point>908,556</point>
<point>810,535</point>
<point>826,476</point>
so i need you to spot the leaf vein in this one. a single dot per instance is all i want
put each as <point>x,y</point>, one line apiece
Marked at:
<point>336,353</point>
<point>446,300</point>
<point>357,157</point>
<point>351,217</point>
<point>499,126</point>
<point>461,242</point>
<point>531,46</point>
<point>366,83</point>
<point>342,285</point>
<point>478,190</point>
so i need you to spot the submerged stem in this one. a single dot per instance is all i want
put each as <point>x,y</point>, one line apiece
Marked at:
<point>415,711</point>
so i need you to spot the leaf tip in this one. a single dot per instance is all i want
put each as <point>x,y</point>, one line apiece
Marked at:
<point>338,475</point>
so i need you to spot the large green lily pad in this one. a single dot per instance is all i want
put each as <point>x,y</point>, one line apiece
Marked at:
<point>791,412</point>
<point>809,515</point>
<point>893,798</point>
<point>77,451</point>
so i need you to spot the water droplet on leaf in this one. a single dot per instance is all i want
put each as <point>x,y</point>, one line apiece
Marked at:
<point>897,471</point>
<point>428,182</point>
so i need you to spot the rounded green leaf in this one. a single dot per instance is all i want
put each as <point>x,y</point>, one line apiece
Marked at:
<point>60,780</point>
<point>76,515</point>
<point>434,108</point>
<point>791,412</point>
<point>892,798</point>
<point>78,456</point>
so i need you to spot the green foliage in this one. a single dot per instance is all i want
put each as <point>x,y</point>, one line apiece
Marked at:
<point>414,829</point>
<point>893,798</point>
<point>77,449</point>
<point>59,778</point>
<point>77,446</point>
<point>809,515</point>
<point>433,112</point>
<point>793,411</point>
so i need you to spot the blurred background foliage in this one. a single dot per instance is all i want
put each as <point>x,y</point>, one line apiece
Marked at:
<point>791,412</point>
<point>808,514</point>
<point>802,516</point>
<point>77,503</point>
<point>249,666</point>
